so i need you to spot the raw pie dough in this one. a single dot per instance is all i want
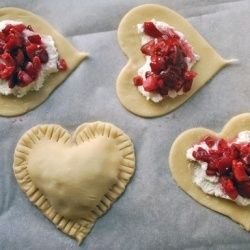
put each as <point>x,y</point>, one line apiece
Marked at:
<point>182,170</point>
<point>11,105</point>
<point>74,179</point>
<point>130,42</point>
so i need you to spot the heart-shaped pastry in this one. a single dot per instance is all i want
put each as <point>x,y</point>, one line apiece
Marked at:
<point>182,169</point>
<point>74,179</point>
<point>11,105</point>
<point>130,42</point>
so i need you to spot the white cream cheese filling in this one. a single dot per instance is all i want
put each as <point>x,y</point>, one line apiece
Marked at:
<point>161,26</point>
<point>46,70</point>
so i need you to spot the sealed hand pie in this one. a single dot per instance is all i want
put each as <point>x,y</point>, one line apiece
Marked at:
<point>214,169</point>
<point>32,54</point>
<point>168,60</point>
<point>74,179</point>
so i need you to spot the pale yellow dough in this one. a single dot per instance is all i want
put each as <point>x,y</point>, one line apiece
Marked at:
<point>182,170</point>
<point>130,42</point>
<point>74,179</point>
<point>11,105</point>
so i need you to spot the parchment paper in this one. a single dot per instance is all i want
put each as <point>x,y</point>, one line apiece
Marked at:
<point>153,213</point>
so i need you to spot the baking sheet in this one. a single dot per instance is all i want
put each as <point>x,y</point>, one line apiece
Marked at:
<point>153,213</point>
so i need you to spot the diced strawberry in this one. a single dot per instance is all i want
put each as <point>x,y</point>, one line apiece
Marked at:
<point>157,64</point>
<point>20,27</point>
<point>228,187</point>
<point>12,43</point>
<point>245,149</point>
<point>19,57</point>
<point>31,71</point>
<point>239,171</point>
<point>190,75</point>
<point>7,28</point>
<point>36,63</point>
<point>138,80</point>
<point>43,55</point>
<point>211,172</point>
<point>210,141</point>
<point>187,86</point>
<point>62,65</point>
<point>201,154</point>
<point>31,50</point>
<point>8,59</point>
<point>35,39</point>
<point>244,189</point>
<point>24,78</point>
<point>224,165</point>
<point>150,84</point>
<point>148,48</point>
<point>222,144</point>
<point>151,30</point>
<point>6,72</point>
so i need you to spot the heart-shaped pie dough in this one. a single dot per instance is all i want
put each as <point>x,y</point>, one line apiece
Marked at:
<point>74,179</point>
<point>183,173</point>
<point>130,42</point>
<point>11,105</point>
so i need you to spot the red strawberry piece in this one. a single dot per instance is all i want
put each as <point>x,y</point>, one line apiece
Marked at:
<point>157,64</point>
<point>148,48</point>
<point>186,50</point>
<point>210,141</point>
<point>31,50</point>
<point>244,189</point>
<point>150,84</point>
<point>7,29</point>
<point>138,80</point>
<point>163,90</point>
<point>235,151</point>
<point>62,65</point>
<point>211,172</point>
<point>246,159</point>
<point>43,55</point>
<point>36,63</point>
<point>35,39</point>
<point>19,57</point>
<point>239,171</point>
<point>30,70</point>
<point>245,149</point>
<point>190,75</point>
<point>201,154</point>
<point>6,72</point>
<point>8,59</point>
<point>20,27</point>
<point>222,144</point>
<point>224,165</point>
<point>24,78</point>
<point>228,187</point>
<point>187,86</point>
<point>151,30</point>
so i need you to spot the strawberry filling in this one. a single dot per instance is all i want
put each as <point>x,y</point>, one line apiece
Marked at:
<point>22,56</point>
<point>168,54</point>
<point>230,162</point>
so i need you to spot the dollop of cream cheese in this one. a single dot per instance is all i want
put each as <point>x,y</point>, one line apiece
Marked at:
<point>46,70</point>
<point>154,96</point>
<point>210,184</point>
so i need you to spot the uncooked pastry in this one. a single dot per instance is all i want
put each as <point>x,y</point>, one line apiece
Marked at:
<point>182,169</point>
<point>130,42</point>
<point>74,179</point>
<point>11,105</point>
